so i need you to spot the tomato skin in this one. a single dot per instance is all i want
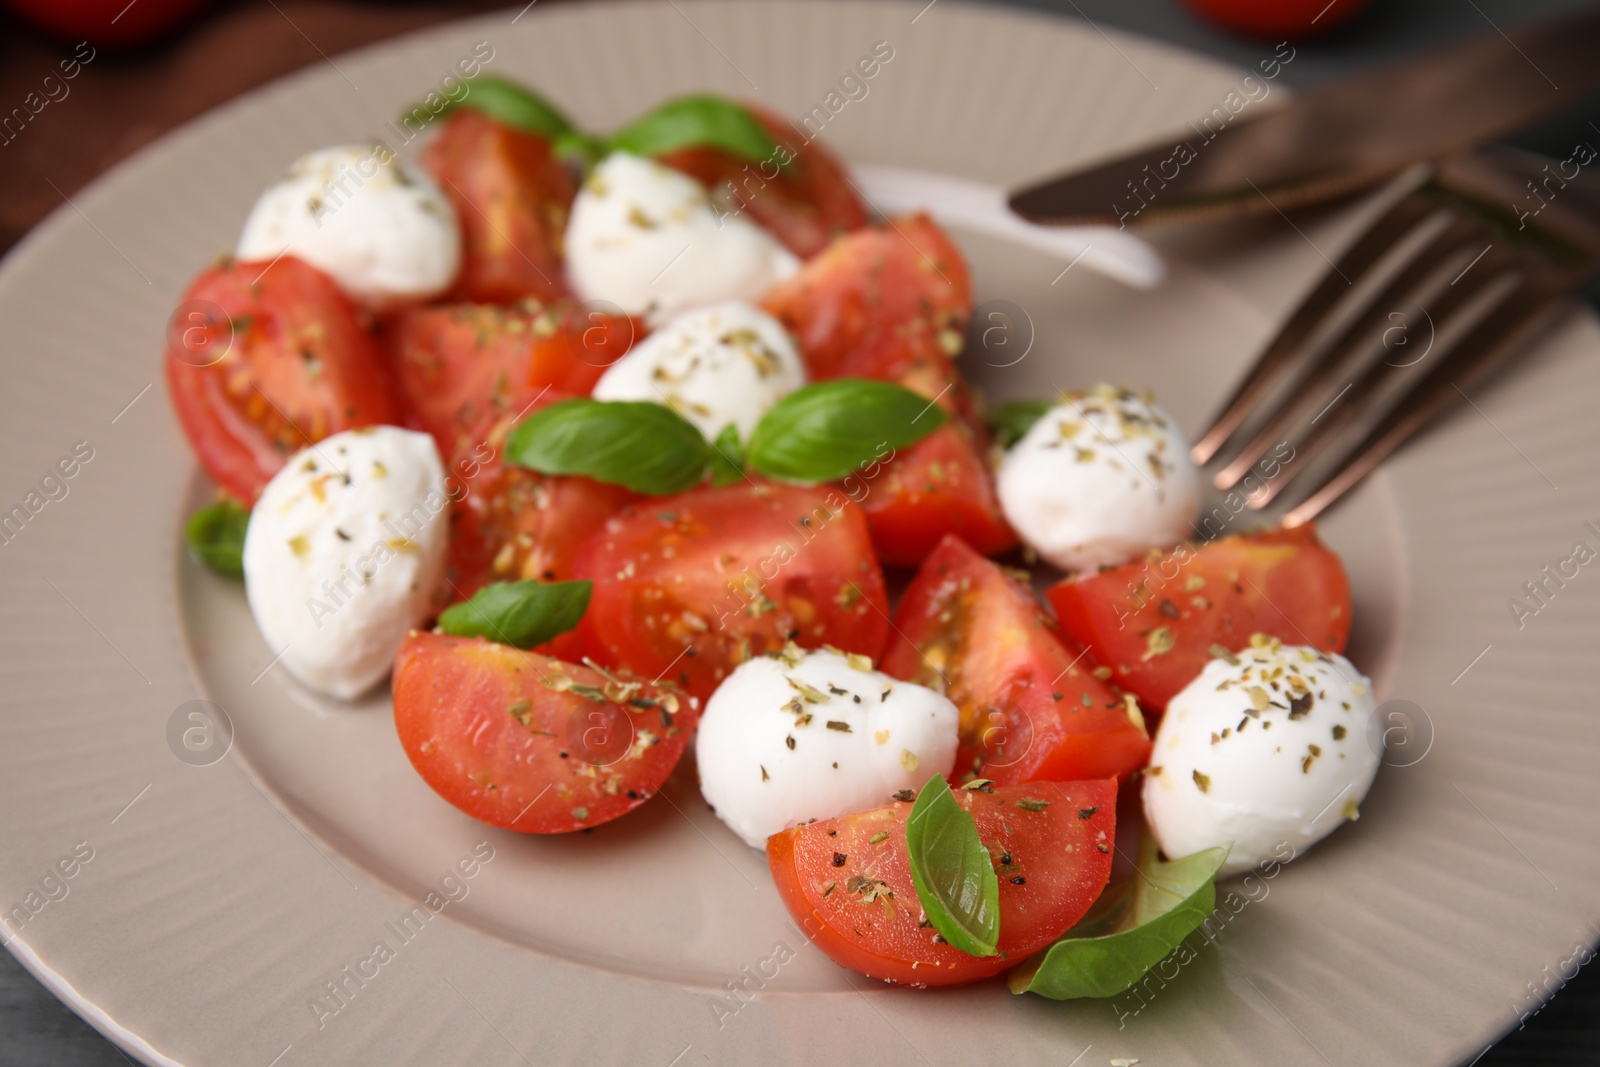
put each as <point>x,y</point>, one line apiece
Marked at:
<point>107,23</point>
<point>700,582</point>
<point>805,202</point>
<point>1277,18</point>
<point>457,364</point>
<point>556,769</point>
<point>1284,583</point>
<point>1060,860</point>
<point>510,524</point>
<point>512,197</point>
<point>874,295</point>
<point>940,485</point>
<point>298,364</point>
<point>970,630</point>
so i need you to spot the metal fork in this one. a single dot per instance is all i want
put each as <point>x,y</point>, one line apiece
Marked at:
<point>1463,251</point>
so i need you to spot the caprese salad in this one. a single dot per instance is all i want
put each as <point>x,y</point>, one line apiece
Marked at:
<point>606,449</point>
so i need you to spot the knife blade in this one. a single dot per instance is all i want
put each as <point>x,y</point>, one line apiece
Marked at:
<point>1339,139</point>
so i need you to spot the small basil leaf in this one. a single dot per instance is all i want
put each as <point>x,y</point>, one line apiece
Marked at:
<point>579,148</point>
<point>1131,928</point>
<point>523,614</point>
<point>952,872</point>
<point>727,457</point>
<point>697,121</point>
<point>1011,422</point>
<point>647,447</point>
<point>506,101</point>
<point>216,533</point>
<point>824,431</point>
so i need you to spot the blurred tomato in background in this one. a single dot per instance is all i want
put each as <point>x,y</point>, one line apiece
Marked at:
<point>106,23</point>
<point>1277,18</point>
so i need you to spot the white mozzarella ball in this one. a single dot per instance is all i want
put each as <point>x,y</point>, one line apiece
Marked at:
<point>812,735</point>
<point>1272,751</point>
<point>1102,478</point>
<point>379,226</point>
<point>648,239</point>
<point>728,363</point>
<point>343,553</point>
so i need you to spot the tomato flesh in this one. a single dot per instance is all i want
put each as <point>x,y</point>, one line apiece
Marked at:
<point>847,881</point>
<point>511,524</point>
<point>1155,621</point>
<point>936,488</point>
<point>456,364</point>
<point>531,743</point>
<point>940,485</point>
<point>802,195</point>
<point>264,359</point>
<point>1031,706</point>
<point>874,295</point>
<point>691,586</point>
<point>512,196</point>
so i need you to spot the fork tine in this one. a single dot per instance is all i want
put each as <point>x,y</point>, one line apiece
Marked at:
<point>1314,380</point>
<point>1496,267</point>
<point>1529,307</point>
<point>1368,249</point>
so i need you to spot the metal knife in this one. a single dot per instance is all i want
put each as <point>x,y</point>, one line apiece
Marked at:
<point>1339,139</point>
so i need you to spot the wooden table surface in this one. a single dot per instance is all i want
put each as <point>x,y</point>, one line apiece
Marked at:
<point>120,102</point>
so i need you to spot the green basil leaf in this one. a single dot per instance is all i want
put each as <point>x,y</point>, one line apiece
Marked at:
<point>1011,422</point>
<point>727,457</point>
<point>216,533</point>
<point>647,447</point>
<point>523,614</point>
<point>952,872</point>
<point>824,431</point>
<point>515,105</point>
<point>1131,928</point>
<point>697,121</point>
<point>580,148</point>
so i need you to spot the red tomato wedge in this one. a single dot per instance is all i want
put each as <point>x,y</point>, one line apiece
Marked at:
<point>531,743</point>
<point>873,295</point>
<point>847,881</point>
<point>689,587</point>
<point>940,485</point>
<point>264,359</point>
<point>512,197</point>
<point>1154,622</point>
<point>457,364</point>
<point>802,195</point>
<point>1031,706</point>
<point>511,524</point>
<point>1276,19</point>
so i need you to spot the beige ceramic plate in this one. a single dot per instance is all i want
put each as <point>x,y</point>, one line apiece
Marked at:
<point>222,903</point>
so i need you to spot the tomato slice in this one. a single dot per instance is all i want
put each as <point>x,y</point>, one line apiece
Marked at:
<point>691,586</point>
<point>458,363</point>
<point>512,197</point>
<point>847,881</point>
<point>511,524</point>
<point>264,359</point>
<point>527,742</point>
<point>802,195</point>
<point>940,485</point>
<point>1031,706</point>
<point>873,295</point>
<point>1154,622</point>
